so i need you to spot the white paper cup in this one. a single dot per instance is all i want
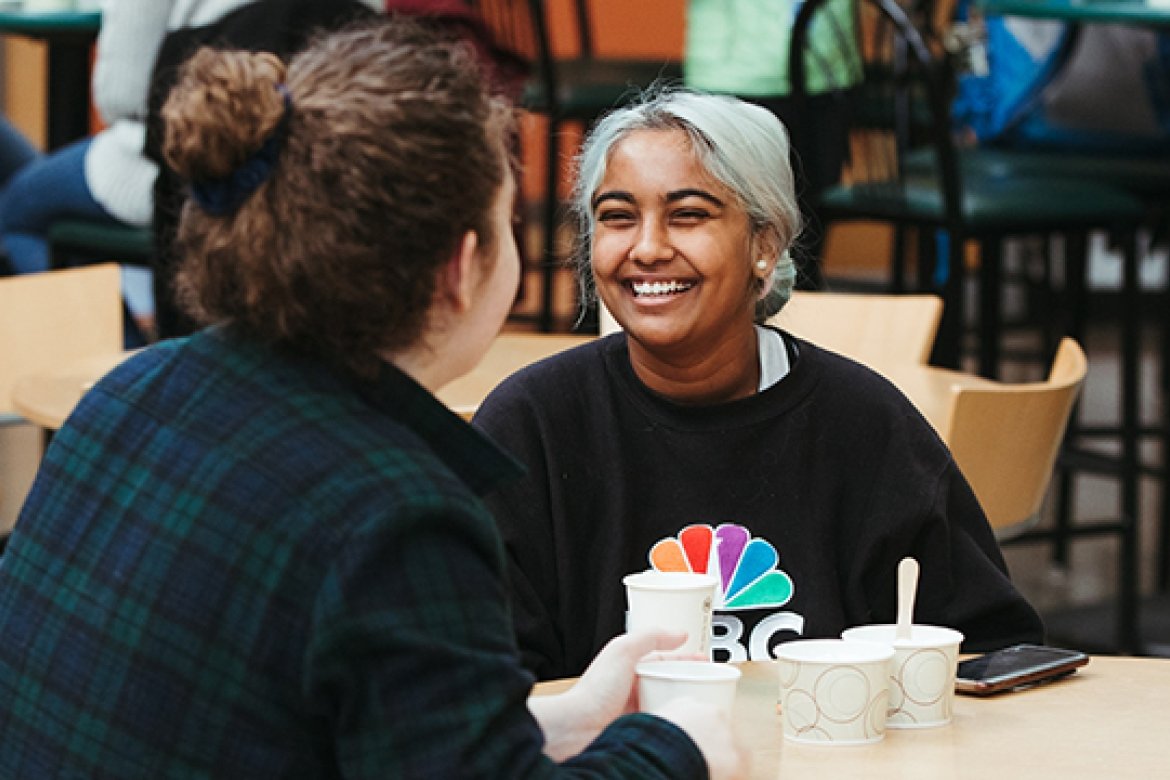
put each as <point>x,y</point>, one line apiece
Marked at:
<point>922,677</point>
<point>833,691</point>
<point>675,601</point>
<point>706,681</point>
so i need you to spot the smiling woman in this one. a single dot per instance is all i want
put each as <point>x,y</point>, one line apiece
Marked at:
<point>700,428</point>
<point>669,257</point>
<point>700,201</point>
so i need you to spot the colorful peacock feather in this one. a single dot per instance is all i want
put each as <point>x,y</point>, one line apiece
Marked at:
<point>746,567</point>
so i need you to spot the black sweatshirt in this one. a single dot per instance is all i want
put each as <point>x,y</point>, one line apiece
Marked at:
<point>831,468</point>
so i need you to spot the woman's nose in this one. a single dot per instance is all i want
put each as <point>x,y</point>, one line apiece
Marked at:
<point>652,243</point>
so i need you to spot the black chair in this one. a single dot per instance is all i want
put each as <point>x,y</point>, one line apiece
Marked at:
<point>900,117</point>
<point>576,89</point>
<point>906,171</point>
<point>95,241</point>
<point>1143,172</point>
<point>74,242</point>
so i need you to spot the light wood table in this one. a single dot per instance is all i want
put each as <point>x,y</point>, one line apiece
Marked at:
<point>1109,720</point>
<point>48,398</point>
<point>507,354</point>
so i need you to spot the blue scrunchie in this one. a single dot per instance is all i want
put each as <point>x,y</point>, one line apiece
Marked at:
<point>223,196</point>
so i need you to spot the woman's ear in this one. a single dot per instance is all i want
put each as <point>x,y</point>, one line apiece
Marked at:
<point>765,253</point>
<point>460,276</point>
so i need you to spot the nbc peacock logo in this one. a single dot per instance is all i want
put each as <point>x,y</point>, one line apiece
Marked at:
<point>746,567</point>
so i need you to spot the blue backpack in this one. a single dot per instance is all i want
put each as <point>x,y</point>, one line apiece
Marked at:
<point>1052,85</point>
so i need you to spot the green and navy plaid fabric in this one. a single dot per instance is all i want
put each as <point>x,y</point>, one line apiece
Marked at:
<point>235,563</point>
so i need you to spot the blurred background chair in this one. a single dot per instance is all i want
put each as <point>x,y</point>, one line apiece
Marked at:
<point>1060,98</point>
<point>76,239</point>
<point>906,171</point>
<point>901,114</point>
<point>1006,437</point>
<point>873,329</point>
<point>573,89</point>
<point>53,318</point>
<point>48,320</point>
<point>1078,101</point>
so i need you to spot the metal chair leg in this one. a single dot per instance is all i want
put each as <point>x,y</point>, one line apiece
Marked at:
<point>990,304</point>
<point>1128,630</point>
<point>551,210</point>
<point>948,345</point>
<point>1075,317</point>
<point>1163,575</point>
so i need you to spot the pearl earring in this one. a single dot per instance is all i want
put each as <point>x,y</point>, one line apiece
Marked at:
<point>762,265</point>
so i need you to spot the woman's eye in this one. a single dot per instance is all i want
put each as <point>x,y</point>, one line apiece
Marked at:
<point>615,217</point>
<point>687,216</point>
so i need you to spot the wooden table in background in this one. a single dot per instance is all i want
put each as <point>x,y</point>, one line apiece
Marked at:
<point>507,354</point>
<point>48,398</point>
<point>1106,721</point>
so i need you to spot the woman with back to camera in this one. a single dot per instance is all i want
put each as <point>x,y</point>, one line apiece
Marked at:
<point>701,439</point>
<point>258,551</point>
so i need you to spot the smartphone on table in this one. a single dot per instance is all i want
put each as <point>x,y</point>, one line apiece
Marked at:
<point>1014,667</point>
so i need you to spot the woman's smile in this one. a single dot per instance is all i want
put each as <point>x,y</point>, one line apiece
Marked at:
<point>649,290</point>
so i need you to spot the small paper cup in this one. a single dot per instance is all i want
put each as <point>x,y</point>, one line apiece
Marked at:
<point>922,676</point>
<point>834,691</point>
<point>675,601</point>
<point>662,681</point>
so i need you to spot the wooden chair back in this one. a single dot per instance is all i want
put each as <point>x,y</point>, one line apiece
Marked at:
<point>877,330</point>
<point>874,329</point>
<point>1005,438</point>
<point>55,318</point>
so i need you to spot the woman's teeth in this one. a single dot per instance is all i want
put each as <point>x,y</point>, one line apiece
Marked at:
<point>660,288</point>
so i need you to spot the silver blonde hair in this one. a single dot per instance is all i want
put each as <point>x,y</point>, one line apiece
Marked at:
<point>743,146</point>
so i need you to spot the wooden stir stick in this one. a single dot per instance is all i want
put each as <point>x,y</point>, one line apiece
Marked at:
<point>907,590</point>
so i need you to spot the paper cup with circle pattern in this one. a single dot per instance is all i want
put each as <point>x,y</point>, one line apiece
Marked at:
<point>662,681</point>
<point>675,601</point>
<point>833,691</point>
<point>922,678</point>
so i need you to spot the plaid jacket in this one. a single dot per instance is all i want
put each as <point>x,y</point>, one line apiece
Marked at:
<point>235,563</point>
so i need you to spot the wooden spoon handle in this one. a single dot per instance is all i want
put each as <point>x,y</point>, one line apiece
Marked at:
<point>907,590</point>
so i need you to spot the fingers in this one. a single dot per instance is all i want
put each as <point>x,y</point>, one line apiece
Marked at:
<point>659,655</point>
<point>638,644</point>
<point>622,653</point>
